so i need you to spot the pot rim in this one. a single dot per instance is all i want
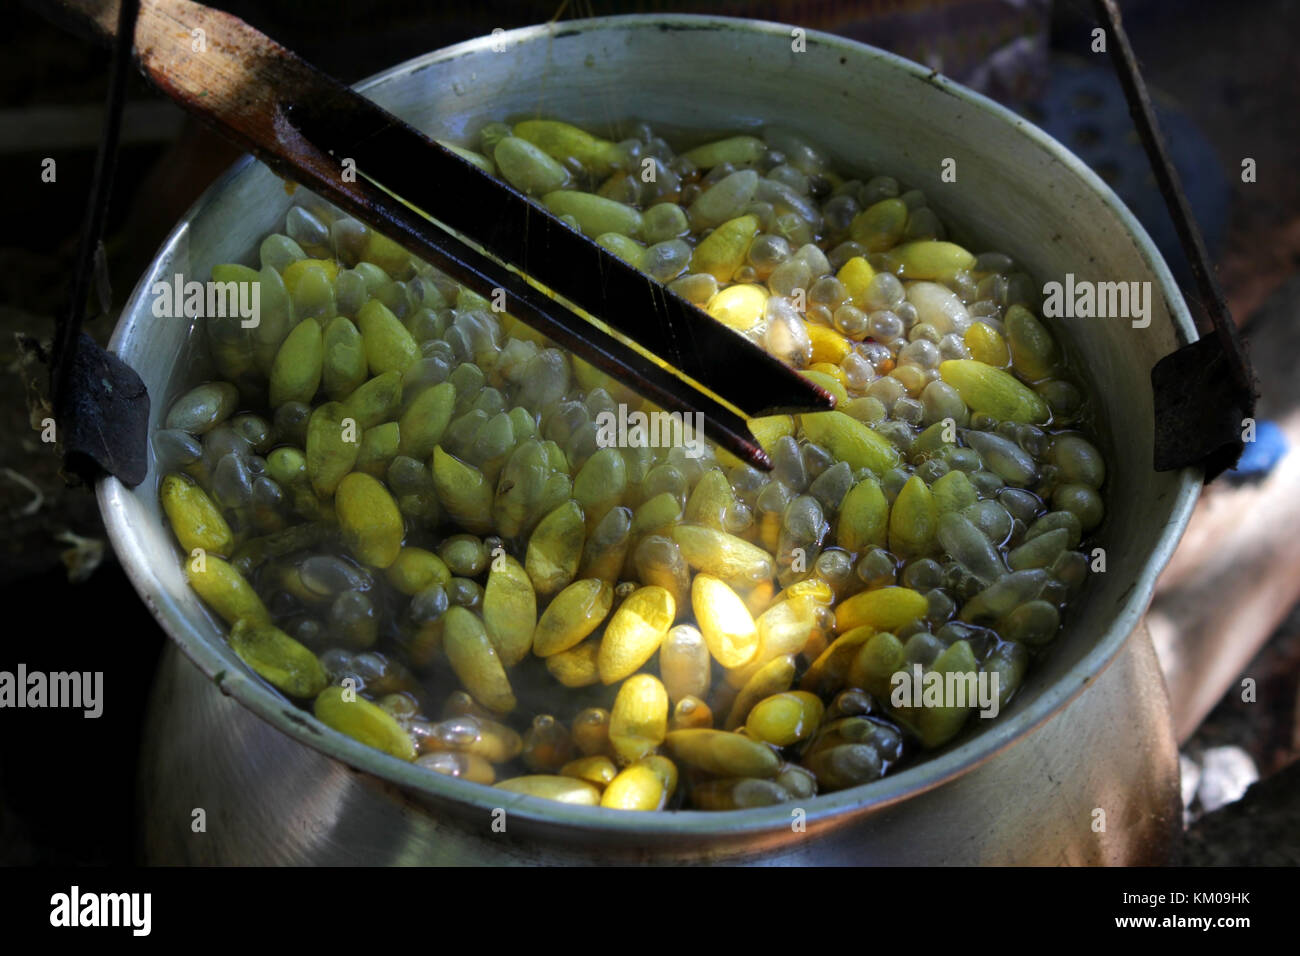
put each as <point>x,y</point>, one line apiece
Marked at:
<point>947,765</point>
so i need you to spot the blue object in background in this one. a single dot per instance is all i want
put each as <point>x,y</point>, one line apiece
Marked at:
<point>1262,454</point>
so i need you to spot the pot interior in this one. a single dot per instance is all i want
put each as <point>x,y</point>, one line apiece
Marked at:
<point>1016,191</point>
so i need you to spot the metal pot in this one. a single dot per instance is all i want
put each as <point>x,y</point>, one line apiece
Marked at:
<point>1088,732</point>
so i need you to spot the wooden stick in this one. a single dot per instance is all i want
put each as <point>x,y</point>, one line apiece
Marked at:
<point>266,99</point>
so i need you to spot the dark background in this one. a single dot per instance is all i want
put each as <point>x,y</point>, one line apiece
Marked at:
<point>1224,75</point>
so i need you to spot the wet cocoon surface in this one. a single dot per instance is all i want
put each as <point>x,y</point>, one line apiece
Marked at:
<point>395,491</point>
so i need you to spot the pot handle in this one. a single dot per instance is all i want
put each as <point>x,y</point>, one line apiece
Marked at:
<point>1205,391</point>
<point>101,405</point>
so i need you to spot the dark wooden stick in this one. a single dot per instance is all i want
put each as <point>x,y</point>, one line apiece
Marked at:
<point>1171,188</point>
<point>263,97</point>
<point>67,333</point>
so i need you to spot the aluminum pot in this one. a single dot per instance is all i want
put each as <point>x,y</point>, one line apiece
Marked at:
<point>1080,768</point>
